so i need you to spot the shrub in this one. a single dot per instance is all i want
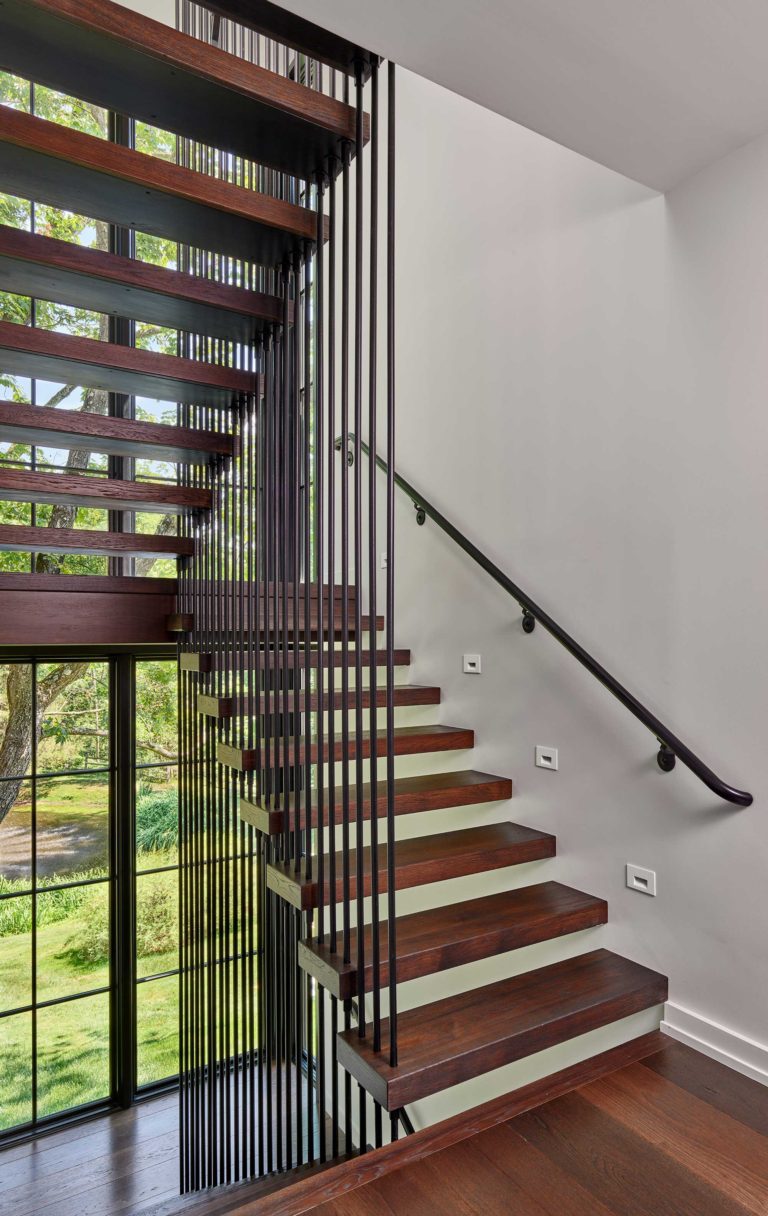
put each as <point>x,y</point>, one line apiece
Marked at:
<point>157,822</point>
<point>16,914</point>
<point>155,926</point>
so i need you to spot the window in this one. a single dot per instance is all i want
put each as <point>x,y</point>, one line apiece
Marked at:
<point>63,875</point>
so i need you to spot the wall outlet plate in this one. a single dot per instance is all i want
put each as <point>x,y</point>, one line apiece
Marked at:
<point>546,757</point>
<point>472,664</point>
<point>640,879</point>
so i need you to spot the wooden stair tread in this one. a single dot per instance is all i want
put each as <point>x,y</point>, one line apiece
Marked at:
<point>440,938</point>
<point>234,707</point>
<point>222,661</point>
<point>55,428</point>
<point>268,627</point>
<point>47,355</point>
<point>412,795</point>
<point>24,485</point>
<point>21,538</point>
<point>421,860</point>
<point>53,164</point>
<point>127,62</point>
<point>49,269</point>
<point>408,741</point>
<point>471,1033</point>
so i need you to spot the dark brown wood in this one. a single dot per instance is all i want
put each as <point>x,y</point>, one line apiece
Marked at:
<point>279,23</point>
<point>20,538</point>
<point>468,1034</point>
<point>126,62</point>
<point>404,694</point>
<point>423,860</point>
<point>63,616</point>
<point>428,792</point>
<point>180,622</point>
<point>441,938</point>
<point>193,661</point>
<point>47,269</point>
<point>103,584</point>
<point>313,635</point>
<point>24,485</point>
<point>408,741</point>
<point>114,436</point>
<point>348,1177</point>
<point>26,351</point>
<point>56,165</point>
<point>728,1091</point>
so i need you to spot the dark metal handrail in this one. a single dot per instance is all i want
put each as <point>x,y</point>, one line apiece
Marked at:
<point>671,748</point>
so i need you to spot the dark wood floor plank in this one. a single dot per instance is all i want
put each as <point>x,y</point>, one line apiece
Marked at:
<point>725,1154</point>
<point>724,1088</point>
<point>536,1178</point>
<point>620,1169</point>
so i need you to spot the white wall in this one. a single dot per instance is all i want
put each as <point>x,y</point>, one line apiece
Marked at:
<point>582,381</point>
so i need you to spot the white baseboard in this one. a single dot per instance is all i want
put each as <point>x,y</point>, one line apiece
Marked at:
<point>744,1055</point>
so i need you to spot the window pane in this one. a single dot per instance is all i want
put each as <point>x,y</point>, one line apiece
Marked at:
<point>72,828</point>
<point>15,1070</point>
<point>72,940</point>
<point>157,819</point>
<point>73,1054</point>
<point>157,923</point>
<point>156,738</point>
<point>15,835</point>
<point>15,726</point>
<point>158,1029</point>
<point>74,698</point>
<point>15,952</point>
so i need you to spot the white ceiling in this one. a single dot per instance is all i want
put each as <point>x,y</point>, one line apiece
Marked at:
<point>653,88</point>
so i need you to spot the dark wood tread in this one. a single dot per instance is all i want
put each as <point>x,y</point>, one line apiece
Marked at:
<point>412,795</point>
<point>48,269</point>
<point>127,62</point>
<point>244,660</point>
<point>267,628</point>
<point>441,938</point>
<point>34,424</point>
<point>419,861</point>
<point>234,707</point>
<point>53,164</point>
<point>20,538</point>
<point>474,1032</point>
<point>408,741</point>
<point>47,355</point>
<point>24,485</point>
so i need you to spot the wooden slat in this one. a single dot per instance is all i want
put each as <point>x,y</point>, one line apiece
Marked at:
<point>46,355</point>
<point>422,860</point>
<point>24,485</point>
<point>67,429</point>
<point>84,610</point>
<point>127,62</point>
<point>193,661</point>
<point>20,538</point>
<point>408,741</point>
<point>473,1032</point>
<point>412,795</point>
<point>440,938</point>
<point>212,706</point>
<point>274,21</point>
<point>47,269</point>
<point>53,164</point>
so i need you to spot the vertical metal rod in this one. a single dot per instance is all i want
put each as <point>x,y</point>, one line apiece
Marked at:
<point>390,609</point>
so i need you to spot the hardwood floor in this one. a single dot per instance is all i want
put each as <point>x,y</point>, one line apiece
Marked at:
<point>675,1134</point>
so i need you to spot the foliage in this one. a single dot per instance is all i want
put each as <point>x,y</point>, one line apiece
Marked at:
<point>16,914</point>
<point>155,926</point>
<point>157,821</point>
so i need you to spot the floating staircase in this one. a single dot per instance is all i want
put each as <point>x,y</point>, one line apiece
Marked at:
<point>117,59</point>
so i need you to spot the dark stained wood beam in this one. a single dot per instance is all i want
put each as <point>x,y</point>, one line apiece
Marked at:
<point>127,62</point>
<point>84,610</point>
